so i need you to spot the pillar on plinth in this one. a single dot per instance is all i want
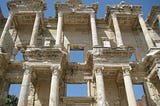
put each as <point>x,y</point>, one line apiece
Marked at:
<point>59,30</point>
<point>6,29</point>
<point>145,31</point>
<point>54,89</point>
<point>129,87</point>
<point>117,31</point>
<point>23,98</point>
<point>101,97</point>
<point>35,29</point>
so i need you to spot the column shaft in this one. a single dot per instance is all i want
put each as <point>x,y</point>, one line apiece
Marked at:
<point>129,88</point>
<point>59,29</point>
<point>101,97</point>
<point>54,90</point>
<point>35,29</point>
<point>117,31</point>
<point>23,98</point>
<point>94,30</point>
<point>5,30</point>
<point>145,32</point>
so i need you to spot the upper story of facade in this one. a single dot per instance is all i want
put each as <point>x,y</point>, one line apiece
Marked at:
<point>76,27</point>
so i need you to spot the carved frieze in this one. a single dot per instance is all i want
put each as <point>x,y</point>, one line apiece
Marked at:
<point>21,6</point>
<point>76,19</point>
<point>51,55</point>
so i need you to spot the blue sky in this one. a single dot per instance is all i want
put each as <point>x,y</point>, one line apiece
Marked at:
<point>146,6</point>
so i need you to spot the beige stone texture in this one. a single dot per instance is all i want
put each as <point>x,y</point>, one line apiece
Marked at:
<point>108,44</point>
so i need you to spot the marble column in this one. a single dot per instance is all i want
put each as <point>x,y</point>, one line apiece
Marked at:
<point>54,89</point>
<point>23,98</point>
<point>5,30</point>
<point>129,87</point>
<point>101,97</point>
<point>117,31</point>
<point>145,32</point>
<point>93,29</point>
<point>59,29</point>
<point>35,30</point>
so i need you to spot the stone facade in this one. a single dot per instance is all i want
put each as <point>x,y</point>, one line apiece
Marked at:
<point>108,45</point>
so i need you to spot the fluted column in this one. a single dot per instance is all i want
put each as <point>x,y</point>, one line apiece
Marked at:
<point>145,32</point>
<point>59,29</point>
<point>5,30</point>
<point>101,97</point>
<point>35,30</point>
<point>117,31</point>
<point>23,98</point>
<point>129,87</point>
<point>93,29</point>
<point>54,89</point>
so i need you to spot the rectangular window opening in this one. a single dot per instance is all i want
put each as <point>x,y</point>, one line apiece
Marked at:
<point>140,94</point>
<point>77,56</point>
<point>76,90</point>
<point>133,58</point>
<point>15,89</point>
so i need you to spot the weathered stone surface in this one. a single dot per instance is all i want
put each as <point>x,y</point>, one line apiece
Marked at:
<point>119,51</point>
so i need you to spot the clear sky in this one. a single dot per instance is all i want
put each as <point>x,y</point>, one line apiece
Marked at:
<point>146,6</point>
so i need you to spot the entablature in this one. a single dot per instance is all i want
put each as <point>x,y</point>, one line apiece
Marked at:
<point>19,6</point>
<point>75,7</point>
<point>152,19</point>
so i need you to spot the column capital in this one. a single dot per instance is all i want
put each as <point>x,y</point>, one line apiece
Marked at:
<point>38,13</point>
<point>114,15</point>
<point>92,14</point>
<point>126,70</point>
<point>140,15</point>
<point>60,14</point>
<point>99,70</point>
<point>55,70</point>
<point>27,67</point>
